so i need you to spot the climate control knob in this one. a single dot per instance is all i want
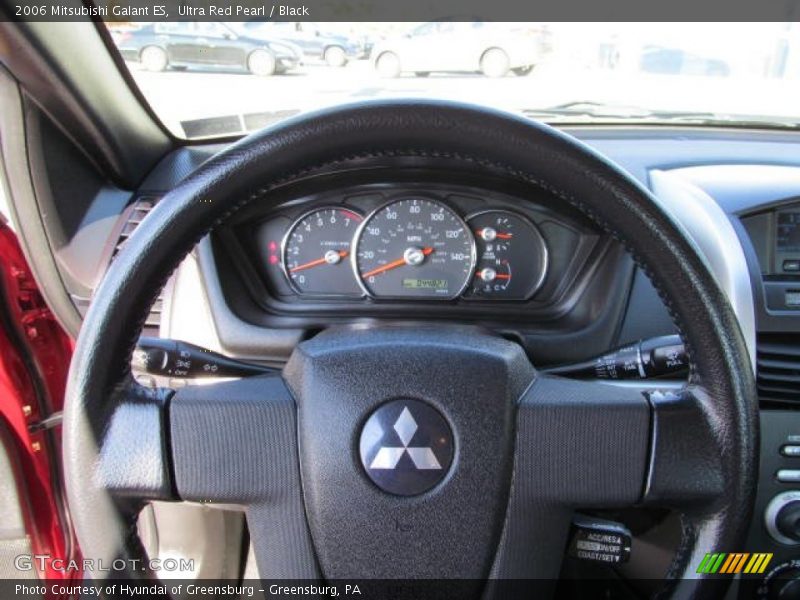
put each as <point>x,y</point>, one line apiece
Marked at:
<point>781,583</point>
<point>785,586</point>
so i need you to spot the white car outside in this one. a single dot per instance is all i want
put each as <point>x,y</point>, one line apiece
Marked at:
<point>494,49</point>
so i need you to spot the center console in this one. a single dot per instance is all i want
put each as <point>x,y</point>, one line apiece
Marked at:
<point>768,227</point>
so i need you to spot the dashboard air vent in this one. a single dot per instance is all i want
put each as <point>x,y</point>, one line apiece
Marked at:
<point>136,214</point>
<point>141,207</point>
<point>778,367</point>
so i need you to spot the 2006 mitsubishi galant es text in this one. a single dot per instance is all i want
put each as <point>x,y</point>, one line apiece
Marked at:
<point>544,344</point>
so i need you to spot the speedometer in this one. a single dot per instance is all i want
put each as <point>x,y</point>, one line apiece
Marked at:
<point>414,247</point>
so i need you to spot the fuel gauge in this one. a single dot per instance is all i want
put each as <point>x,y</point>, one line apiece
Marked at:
<point>512,256</point>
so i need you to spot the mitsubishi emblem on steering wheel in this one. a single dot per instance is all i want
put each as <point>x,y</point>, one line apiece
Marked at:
<point>406,447</point>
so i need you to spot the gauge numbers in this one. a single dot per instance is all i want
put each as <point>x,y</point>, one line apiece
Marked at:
<point>414,247</point>
<point>316,252</point>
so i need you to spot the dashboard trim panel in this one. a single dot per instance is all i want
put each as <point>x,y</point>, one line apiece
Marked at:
<point>712,232</point>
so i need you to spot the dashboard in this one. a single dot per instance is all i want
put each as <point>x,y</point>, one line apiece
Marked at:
<point>404,245</point>
<point>417,244</point>
<point>576,294</point>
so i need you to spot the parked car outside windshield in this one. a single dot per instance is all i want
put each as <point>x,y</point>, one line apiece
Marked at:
<point>458,46</point>
<point>180,45</point>
<point>332,49</point>
<point>600,73</point>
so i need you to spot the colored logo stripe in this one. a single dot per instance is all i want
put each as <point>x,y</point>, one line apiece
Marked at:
<point>711,563</point>
<point>734,563</point>
<point>758,564</point>
<point>722,562</point>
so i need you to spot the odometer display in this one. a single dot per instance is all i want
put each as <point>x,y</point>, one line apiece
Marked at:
<point>414,247</point>
<point>434,284</point>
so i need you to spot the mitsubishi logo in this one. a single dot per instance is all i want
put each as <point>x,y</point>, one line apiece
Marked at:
<point>388,456</point>
<point>406,447</point>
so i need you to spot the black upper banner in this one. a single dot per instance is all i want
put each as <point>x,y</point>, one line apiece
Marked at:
<point>404,10</point>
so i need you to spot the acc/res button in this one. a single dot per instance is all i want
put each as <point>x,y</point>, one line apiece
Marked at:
<point>788,475</point>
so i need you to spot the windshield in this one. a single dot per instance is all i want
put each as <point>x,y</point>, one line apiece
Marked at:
<point>210,79</point>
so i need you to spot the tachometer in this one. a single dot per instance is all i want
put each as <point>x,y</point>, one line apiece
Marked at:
<point>414,247</point>
<point>316,252</point>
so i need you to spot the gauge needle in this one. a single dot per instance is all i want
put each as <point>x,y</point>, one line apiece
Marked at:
<point>394,264</point>
<point>488,234</point>
<point>489,274</point>
<point>330,258</point>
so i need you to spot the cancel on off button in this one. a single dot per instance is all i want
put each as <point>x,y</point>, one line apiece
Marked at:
<point>790,450</point>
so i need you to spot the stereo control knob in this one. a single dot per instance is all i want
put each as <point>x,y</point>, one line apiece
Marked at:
<point>787,521</point>
<point>782,518</point>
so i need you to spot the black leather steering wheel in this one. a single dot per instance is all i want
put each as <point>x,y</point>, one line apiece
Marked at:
<point>524,454</point>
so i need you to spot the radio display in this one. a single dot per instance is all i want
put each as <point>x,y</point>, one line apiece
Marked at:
<point>788,233</point>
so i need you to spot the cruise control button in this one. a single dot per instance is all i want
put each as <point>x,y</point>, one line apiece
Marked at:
<point>789,450</point>
<point>788,475</point>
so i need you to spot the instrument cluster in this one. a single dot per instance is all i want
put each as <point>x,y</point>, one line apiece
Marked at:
<point>383,249</point>
<point>412,246</point>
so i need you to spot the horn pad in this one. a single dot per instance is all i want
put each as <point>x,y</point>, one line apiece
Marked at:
<point>406,448</point>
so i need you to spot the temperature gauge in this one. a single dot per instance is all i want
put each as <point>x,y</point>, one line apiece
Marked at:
<point>512,256</point>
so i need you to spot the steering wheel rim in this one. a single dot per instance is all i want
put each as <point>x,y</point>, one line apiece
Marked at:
<point>716,493</point>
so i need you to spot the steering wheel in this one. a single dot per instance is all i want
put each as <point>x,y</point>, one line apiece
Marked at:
<point>500,455</point>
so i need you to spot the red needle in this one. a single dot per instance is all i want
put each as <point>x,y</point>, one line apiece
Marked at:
<point>394,264</point>
<point>502,236</point>
<point>315,263</point>
<point>497,276</point>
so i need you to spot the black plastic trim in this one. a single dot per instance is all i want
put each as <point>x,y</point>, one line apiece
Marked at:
<point>70,74</point>
<point>23,205</point>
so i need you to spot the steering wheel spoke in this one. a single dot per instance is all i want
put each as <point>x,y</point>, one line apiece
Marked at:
<point>236,443</point>
<point>583,443</point>
<point>133,457</point>
<point>578,445</point>
<point>686,460</point>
